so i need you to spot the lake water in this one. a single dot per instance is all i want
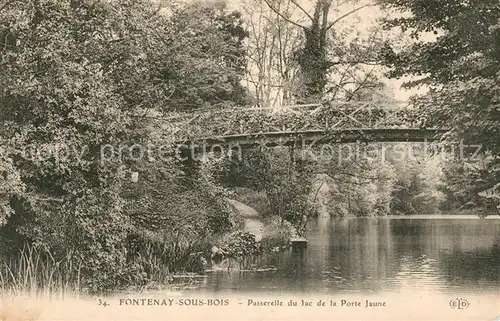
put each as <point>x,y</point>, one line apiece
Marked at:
<point>439,254</point>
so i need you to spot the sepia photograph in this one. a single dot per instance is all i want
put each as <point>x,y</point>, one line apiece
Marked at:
<point>249,160</point>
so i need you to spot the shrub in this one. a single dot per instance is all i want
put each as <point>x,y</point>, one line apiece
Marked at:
<point>240,244</point>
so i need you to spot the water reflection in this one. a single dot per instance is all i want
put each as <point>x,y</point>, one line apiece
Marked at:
<point>377,254</point>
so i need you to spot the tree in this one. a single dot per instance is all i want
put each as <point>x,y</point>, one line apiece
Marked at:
<point>461,68</point>
<point>419,181</point>
<point>58,92</point>
<point>272,72</point>
<point>203,59</point>
<point>81,75</point>
<point>314,57</point>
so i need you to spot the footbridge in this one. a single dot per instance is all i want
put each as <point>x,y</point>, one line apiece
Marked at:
<point>346,122</point>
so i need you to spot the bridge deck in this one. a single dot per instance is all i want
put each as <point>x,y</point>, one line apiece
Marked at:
<point>317,137</point>
<point>298,125</point>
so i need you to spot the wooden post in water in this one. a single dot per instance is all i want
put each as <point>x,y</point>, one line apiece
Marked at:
<point>298,242</point>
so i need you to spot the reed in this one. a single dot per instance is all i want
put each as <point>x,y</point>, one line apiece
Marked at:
<point>36,273</point>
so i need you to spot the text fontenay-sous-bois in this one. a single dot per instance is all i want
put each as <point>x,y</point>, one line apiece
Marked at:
<point>218,302</point>
<point>171,302</point>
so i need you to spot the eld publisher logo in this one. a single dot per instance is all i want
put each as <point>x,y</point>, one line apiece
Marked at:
<point>459,304</point>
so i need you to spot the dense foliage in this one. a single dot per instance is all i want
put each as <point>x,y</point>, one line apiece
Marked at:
<point>461,67</point>
<point>75,78</point>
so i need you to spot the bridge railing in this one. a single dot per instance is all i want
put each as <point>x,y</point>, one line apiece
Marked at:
<point>299,118</point>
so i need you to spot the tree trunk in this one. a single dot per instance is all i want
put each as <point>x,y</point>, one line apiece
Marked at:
<point>312,58</point>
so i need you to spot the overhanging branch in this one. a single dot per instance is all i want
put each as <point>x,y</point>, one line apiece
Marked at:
<point>354,62</point>
<point>282,15</point>
<point>348,14</point>
<point>302,9</point>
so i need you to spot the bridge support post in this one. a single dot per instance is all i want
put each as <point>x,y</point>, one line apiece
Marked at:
<point>190,165</point>
<point>292,154</point>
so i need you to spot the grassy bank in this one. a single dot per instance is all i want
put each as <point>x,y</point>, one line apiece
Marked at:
<point>153,261</point>
<point>36,273</point>
<point>153,258</point>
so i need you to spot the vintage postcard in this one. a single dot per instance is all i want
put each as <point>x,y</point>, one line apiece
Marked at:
<point>249,160</point>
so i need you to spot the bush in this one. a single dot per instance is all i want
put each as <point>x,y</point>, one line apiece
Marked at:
<point>277,233</point>
<point>240,244</point>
